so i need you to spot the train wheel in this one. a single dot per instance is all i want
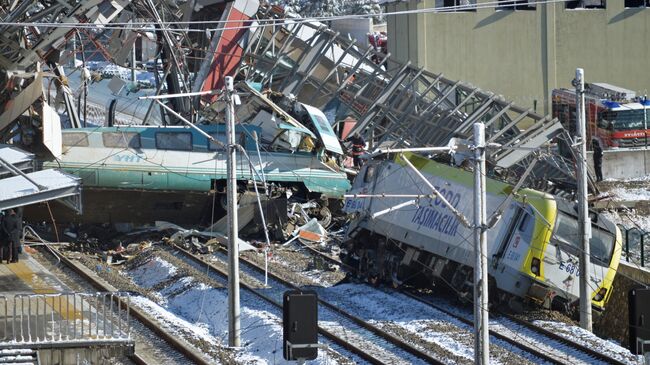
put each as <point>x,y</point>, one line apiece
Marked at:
<point>374,280</point>
<point>325,217</point>
<point>516,306</point>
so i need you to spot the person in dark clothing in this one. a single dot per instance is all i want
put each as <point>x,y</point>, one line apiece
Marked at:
<point>19,213</point>
<point>358,147</point>
<point>12,226</point>
<point>598,160</point>
<point>4,241</point>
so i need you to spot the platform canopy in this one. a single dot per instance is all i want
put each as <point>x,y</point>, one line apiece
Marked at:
<point>18,158</point>
<point>17,191</point>
<point>20,186</point>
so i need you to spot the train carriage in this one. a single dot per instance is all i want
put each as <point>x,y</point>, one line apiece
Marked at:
<point>533,249</point>
<point>149,173</point>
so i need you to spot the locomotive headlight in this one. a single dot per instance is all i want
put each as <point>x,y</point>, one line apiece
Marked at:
<point>600,295</point>
<point>534,265</point>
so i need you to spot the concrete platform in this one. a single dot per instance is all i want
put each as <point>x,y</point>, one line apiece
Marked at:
<point>39,312</point>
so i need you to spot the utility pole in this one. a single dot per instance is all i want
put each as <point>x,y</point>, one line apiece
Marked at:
<point>583,210</point>
<point>133,79</point>
<point>481,331</point>
<point>74,52</point>
<point>234,327</point>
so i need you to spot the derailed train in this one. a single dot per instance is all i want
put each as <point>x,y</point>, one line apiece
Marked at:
<point>533,250</point>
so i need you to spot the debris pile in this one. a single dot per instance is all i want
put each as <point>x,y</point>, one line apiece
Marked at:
<point>310,223</point>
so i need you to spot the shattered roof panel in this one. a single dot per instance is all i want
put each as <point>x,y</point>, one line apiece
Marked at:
<point>17,191</point>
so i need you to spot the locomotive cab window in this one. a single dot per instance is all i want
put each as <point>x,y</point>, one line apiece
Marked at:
<point>370,173</point>
<point>567,237</point>
<point>601,244</point>
<point>526,224</point>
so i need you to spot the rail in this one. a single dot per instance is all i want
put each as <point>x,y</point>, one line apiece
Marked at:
<point>502,336</point>
<point>351,346</point>
<point>64,320</point>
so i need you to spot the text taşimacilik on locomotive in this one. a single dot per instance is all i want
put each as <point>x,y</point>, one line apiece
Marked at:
<point>533,250</point>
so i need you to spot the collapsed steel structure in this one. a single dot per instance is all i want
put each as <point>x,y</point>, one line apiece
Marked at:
<point>395,104</point>
<point>399,105</point>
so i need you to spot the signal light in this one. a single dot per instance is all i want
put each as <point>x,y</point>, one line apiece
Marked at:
<point>534,266</point>
<point>600,295</point>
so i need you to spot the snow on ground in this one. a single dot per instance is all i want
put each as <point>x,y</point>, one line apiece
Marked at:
<point>153,272</point>
<point>630,194</point>
<point>194,308</point>
<point>587,338</point>
<point>630,219</point>
<point>421,320</point>
<point>172,321</point>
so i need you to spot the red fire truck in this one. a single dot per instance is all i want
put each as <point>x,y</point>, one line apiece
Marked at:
<point>616,117</point>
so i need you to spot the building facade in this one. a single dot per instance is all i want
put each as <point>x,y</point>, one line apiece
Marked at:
<point>525,51</point>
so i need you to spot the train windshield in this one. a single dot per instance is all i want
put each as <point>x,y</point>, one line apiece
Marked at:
<point>567,233</point>
<point>625,120</point>
<point>602,244</point>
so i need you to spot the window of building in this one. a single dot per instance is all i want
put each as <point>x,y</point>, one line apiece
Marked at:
<point>75,139</point>
<point>516,5</point>
<point>585,4</point>
<point>456,5</point>
<point>179,141</point>
<point>637,3</point>
<point>121,140</point>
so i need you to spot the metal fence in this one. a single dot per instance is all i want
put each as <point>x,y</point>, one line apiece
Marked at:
<point>65,319</point>
<point>636,245</point>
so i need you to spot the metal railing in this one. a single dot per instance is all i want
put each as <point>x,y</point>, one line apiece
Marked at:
<point>636,247</point>
<point>64,319</point>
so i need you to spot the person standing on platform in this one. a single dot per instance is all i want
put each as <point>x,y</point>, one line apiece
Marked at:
<point>12,226</point>
<point>598,160</point>
<point>4,241</point>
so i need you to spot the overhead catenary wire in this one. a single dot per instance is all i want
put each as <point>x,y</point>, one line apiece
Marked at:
<point>274,21</point>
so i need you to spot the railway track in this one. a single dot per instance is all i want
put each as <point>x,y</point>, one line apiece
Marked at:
<point>352,333</point>
<point>510,335</point>
<point>178,345</point>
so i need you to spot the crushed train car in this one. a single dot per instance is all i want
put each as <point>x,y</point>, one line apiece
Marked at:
<point>167,172</point>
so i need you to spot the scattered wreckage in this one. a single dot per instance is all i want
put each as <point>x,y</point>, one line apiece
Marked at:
<point>298,82</point>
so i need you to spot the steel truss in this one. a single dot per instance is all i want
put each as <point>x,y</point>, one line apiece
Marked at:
<point>399,105</point>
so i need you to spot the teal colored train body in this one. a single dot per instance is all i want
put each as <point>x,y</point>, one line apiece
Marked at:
<point>175,158</point>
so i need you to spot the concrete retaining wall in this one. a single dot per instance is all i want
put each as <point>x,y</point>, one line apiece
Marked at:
<point>623,164</point>
<point>614,321</point>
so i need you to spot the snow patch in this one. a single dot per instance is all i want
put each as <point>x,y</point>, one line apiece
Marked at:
<point>588,339</point>
<point>172,321</point>
<point>153,272</point>
<point>630,194</point>
<point>201,311</point>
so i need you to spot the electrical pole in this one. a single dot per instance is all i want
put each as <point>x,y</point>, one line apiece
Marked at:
<point>133,78</point>
<point>481,331</point>
<point>583,210</point>
<point>74,52</point>
<point>234,327</point>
